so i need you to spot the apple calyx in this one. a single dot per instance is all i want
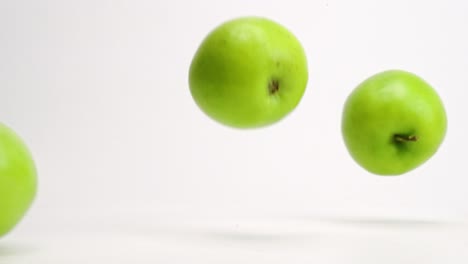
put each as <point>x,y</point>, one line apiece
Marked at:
<point>405,138</point>
<point>273,87</point>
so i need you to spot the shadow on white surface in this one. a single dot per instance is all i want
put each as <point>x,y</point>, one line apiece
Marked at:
<point>14,249</point>
<point>268,240</point>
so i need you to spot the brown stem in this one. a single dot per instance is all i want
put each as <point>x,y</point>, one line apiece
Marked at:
<point>273,87</point>
<point>405,138</point>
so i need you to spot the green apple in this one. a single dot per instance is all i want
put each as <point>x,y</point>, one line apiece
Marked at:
<point>248,72</point>
<point>18,180</point>
<point>393,122</point>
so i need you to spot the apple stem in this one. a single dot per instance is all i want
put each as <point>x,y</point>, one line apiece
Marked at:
<point>273,86</point>
<point>405,138</point>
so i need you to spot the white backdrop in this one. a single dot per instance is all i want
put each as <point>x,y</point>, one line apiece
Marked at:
<point>99,91</point>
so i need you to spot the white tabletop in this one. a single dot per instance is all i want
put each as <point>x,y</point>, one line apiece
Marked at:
<point>261,240</point>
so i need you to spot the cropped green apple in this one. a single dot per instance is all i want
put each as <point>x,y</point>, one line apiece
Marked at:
<point>393,122</point>
<point>17,179</point>
<point>248,72</point>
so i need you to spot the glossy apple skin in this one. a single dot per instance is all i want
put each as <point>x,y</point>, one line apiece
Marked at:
<point>18,181</point>
<point>237,64</point>
<point>390,103</point>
